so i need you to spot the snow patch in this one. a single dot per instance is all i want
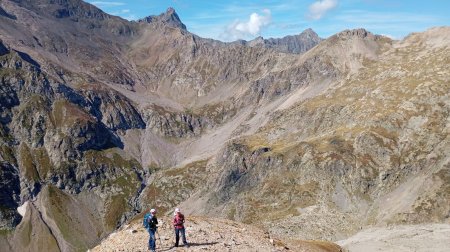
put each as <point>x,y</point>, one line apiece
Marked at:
<point>23,209</point>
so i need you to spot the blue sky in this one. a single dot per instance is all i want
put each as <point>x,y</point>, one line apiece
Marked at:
<point>247,19</point>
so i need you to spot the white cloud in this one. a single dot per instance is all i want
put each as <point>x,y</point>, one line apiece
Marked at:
<point>125,11</point>
<point>102,4</point>
<point>319,8</point>
<point>250,28</point>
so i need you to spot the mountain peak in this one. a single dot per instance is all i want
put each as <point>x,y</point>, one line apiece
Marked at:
<point>170,17</point>
<point>170,11</point>
<point>309,33</point>
<point>360,32</point>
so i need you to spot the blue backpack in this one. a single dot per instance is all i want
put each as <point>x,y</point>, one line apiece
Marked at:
<point>147,217</point>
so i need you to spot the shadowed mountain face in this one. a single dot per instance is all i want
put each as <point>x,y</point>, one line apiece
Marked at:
<point>102,118</point>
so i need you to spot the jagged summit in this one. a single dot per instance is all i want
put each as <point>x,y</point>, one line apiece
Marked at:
<point>359,32</point>
<point>289,44</point>
<point>170,17</point>
<point>309,33</point>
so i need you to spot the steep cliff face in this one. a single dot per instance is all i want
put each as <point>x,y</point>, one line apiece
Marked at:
<point>102,118</point>
<point>10,196</point>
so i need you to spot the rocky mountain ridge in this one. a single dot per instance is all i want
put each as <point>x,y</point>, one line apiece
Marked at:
<point>289,44</point>
<point>104,118</point>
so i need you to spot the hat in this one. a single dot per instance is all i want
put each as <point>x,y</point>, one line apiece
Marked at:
<point>177,210</point>
<point>152,210</point>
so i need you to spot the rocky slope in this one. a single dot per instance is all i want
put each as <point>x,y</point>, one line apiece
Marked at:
<point>371,150</point>
<point>102,118</point>
<point>428,237</point>
<point>208,234</point>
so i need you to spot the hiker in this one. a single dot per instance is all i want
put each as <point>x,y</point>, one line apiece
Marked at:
<point>150,223</point>
<point>178,224</point>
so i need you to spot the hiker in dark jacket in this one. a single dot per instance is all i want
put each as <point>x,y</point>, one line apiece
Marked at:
<point>178,224</point>
<point>151,224</point>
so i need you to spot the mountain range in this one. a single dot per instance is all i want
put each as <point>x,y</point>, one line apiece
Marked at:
<point>304,137</point>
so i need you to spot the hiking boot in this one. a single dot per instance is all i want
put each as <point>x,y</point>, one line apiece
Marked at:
<point>186,245</point>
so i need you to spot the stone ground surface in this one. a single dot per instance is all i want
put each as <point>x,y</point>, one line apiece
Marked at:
<point>207,234</point>
<point>418,238</point>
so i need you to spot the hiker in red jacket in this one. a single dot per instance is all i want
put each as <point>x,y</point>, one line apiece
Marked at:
<point>178,224</point>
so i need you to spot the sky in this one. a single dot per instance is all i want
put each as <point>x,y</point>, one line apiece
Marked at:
<point>247,19</point>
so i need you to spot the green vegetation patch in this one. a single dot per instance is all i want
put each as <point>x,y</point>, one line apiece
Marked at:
<point>60,208</point>
<point>42,162</point>
<point>7,153</point>
<point>34,162</point>
<point>27,165</point>
<point>280,197</point>
<point>67,114</point>
<point>172,186</point>
<point>119,179</point>
<point>28,110</point>
<point>116,206</point>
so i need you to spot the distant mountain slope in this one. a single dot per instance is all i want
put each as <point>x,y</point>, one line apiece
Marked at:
<point>372,150</point>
